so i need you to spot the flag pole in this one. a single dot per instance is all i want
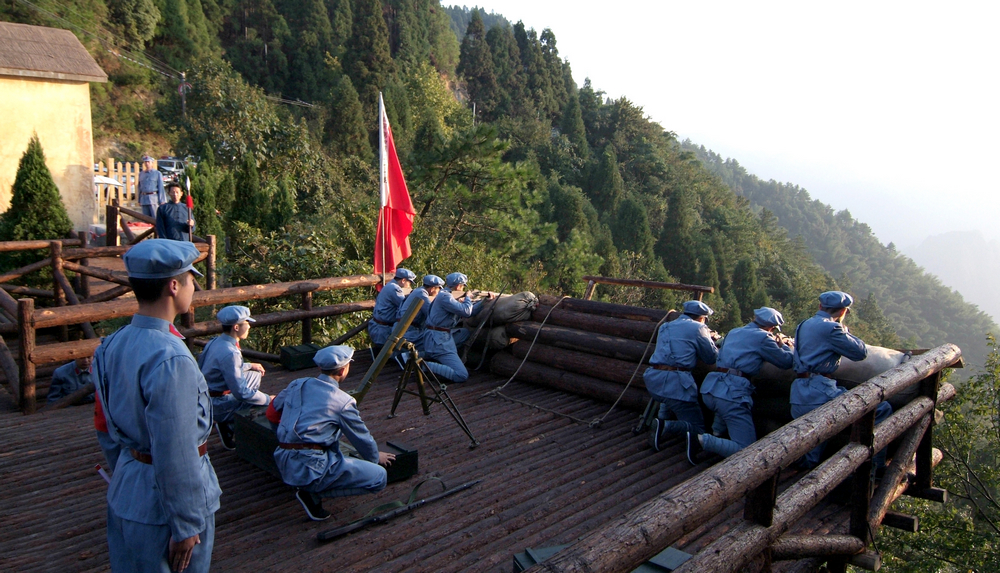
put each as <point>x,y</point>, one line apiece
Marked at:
<point>383,183</point>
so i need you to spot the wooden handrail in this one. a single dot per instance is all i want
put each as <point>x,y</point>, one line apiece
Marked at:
<point>625,543</point>
<point>7,246</point>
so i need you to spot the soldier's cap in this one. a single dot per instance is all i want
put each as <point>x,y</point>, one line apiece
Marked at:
<point>697,308</point>
<point>146,158</point>
<point>160,259</point>
<point>333,357</point>
<point>835,300</point>
<point>456,279</point>
<point>234,315</point>
<point>407,274</point>
<point>433,281</point>
<point>767,317</point>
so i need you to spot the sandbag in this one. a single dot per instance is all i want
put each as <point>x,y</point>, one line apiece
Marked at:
<point>510,308</point>
<point>498,339</point>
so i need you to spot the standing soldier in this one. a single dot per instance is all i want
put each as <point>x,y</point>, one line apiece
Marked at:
<point>173,219</point>
<point>232,383</point>
<point>431,287</point>
<point>679,345</point>
<point>386,306</point>
<point>314,413</point>
<point>441,335</point>
<point>164,492</point>
<point>150,188</point>
<point>820,342</point>
<point>727,391</point>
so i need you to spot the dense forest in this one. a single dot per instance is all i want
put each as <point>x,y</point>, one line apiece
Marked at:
<point>545,182</point>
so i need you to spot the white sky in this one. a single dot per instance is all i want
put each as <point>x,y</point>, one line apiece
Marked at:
<point>886,109</point>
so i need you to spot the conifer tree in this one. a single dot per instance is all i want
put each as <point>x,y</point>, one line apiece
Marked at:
<point>205,181</point>
<point>339,14</point>
<point>511,95</point>
<point>367,59</point>
<point>475,65</point>
<point>747,290</point>
<point>137,19</point>
<point>630,227</point>
<point>607,186</point>
<point>36,208</point>
<point>572,125</point>
<point>397,108</point>
<point>281,205</point>
<point>251,205</point>
<point>556,96</point>
<point>538,82</point>
<point>309,75</point>
<point>345,130</point>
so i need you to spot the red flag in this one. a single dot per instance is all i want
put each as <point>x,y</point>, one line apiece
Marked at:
<point>395,216</point>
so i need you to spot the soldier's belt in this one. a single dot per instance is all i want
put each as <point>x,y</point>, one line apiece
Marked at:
<point>670,368</point>
<point>217,394</point>
<point>806,375</point>
<point>377,321</point>
<point>439,329</point>
<point>148,458</point>
<point>732,371</point>
<point>300,446</point>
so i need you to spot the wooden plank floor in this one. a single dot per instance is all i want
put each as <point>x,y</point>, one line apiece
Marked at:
<point>545,480</point>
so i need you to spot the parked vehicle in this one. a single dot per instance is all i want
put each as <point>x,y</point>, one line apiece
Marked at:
<point>172,168</point>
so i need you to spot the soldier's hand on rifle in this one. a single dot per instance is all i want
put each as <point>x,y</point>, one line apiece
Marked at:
<point>385,459</point>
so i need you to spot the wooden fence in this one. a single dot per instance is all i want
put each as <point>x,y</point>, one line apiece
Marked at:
<point>125,173</point>
<point>751,476</point>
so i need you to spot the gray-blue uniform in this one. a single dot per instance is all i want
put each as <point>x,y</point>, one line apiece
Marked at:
<point>820,342</point>
<point>68,379</point>
<point>172,221</point>
<point>315,412</point>
<point>387,304</point>
<point>728,393</point>
<point>231,383</point>
<point>150,190</point>
<point>158,410</point>
<point>679,345</point>
<point>415,332</point>
<point>441,335</point>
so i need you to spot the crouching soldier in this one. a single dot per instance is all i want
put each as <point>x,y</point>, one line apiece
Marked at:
<point>164,492</point>
<point>232,384</point>
<point>387,304</point>
<point>442,337</point>
<point>69,378</point>
<point>727,391</point>
<point>314,413</point>
<point>679,345</point>
<point>431,287</point>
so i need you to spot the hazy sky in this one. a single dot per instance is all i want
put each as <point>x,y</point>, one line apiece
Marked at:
<point>886,109</point>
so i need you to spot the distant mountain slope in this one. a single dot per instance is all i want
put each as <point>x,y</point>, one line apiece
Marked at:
<point>922,309</point>
<point>965,261</point>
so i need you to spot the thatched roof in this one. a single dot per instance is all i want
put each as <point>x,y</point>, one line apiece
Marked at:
<point>39,52</point>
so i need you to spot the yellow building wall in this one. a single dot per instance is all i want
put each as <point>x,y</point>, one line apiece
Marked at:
<point>59,112</point>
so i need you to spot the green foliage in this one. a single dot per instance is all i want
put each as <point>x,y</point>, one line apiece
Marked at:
<point>961,535</point>
<point>475,65</point>
<point>345,129</point>
<point>137,19</point>
<point>367,59</point>
<point>206,179</point>
<point>309,77</point>
<point>36,209</point>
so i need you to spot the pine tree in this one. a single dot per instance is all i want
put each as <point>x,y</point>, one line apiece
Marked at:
<point>554,69</point>
<point>205,181</point>
<point>607,186</point>
<point>345,130</point>
<point>511,90</point>
<point>747,290</point>
<point>282,205</point>
<point>475,65</point>
<point>251,204</point>
<point>538,80</point>
<point>572,125</point>
<point>367,60</point>
<point>36,208</point>
<point>630,227</point>
<point>339,14</point>
<point>137,19</point>
<point>309,76</point>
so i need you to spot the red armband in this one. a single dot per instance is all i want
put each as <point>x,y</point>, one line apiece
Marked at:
<point>272,415</point>
<point>100,424</point>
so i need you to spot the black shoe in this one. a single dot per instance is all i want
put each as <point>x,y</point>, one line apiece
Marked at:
<point>656,434</point>
<point>226,435</point>
<point>314,509</point>
<point>693,448</point>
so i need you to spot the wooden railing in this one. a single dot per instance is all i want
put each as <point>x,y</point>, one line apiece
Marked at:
<point>125,173</point>
<point>751,476</point>
<point>697,291</point>
<point>31,320</point>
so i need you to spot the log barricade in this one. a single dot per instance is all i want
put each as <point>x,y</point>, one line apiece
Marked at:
<point>750,475</point>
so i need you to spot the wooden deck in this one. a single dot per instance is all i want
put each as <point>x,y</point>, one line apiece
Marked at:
<point>545,480</point>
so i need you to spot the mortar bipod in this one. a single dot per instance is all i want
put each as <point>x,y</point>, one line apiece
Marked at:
<point>415,367</point>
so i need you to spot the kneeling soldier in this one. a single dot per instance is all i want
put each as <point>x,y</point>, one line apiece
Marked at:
<point>442,336</point>
<point>164,492</point>
<point>232,384</point>
<point>314,413</point>
<point>387,304</point>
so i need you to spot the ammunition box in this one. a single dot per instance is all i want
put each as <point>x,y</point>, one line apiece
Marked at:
<point>299,357</point>
<point>404,466</point>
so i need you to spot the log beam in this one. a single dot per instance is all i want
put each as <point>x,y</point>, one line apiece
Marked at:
<point>641,330</point>
<point>7,246</point>
<point>98,273</point>
<point>790,547</point>
<point>617,371</point>
<point>588,342</point>
<point>18,273</point>
<point>901,521</point>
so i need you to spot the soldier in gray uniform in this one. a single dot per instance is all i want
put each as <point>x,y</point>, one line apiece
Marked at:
<point>431,287</point>
<point>164,492</point>
<point>679,345</point>
<point>232,383</point>
<point>69,378</point>
<point>442,337</point>
<point>315,412</point>
<point>387,304</point>
<point>150,188</point>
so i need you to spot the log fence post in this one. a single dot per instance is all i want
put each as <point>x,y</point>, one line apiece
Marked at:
<point>210,264</point>
<point>307,304</point>
<point>862,432</point>
<point>589,293</point>
<point>759,507</point>
<point>84,279</point>
<point>111,221</point>
<point>55,249</point>
<point>26,321</point>
<point>924,463</point>
<point>187,321</point>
